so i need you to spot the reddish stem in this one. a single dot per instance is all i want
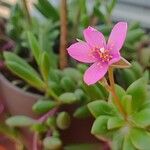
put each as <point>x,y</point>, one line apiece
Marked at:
<point>41,120</point>
<point>63,35</point>
<point>113,92</point>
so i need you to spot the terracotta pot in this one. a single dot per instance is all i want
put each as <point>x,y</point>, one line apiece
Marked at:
<point>19,102</point>
<point>16,101</point>
<point>5,143</point>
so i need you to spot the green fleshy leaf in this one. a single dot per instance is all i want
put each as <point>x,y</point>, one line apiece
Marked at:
<point>138,92</point>
<point>56,134</point>
<point>55,75</point>
<point>20,121</point>
<point>127,103</point>
<point>142,118</point>
<point>51,143</point>
<point>26,75</point>
<point>127,145</point>
<point>63,120</point>
<point>51,122</point>
<point>100,107</point>
<point>137,69</point>
<point>34,46</point>
<point>67,84</point>
<point>68,98</point>
<point>55,87</point>
<point>93,91</point>
<point>146,105</point>
<point>146,75</point>
<point>80,95</point>
<point>81,112</point>
<point>82,67</point>
<point>119,91</point>
<point>43,106</point>
<point>140,138</point>
<point>115,122</point>
<point>100,125</point>
<point>128,76</point>
<point>39,127</point>
<point>117,141</point>
<point>12,57</point>
<point>44,65</point>
<point>72,73</point>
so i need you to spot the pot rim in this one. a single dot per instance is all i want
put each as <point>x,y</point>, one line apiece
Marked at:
<point>4,80</point>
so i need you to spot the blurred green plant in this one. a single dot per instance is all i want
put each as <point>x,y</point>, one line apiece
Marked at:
<point>58,87</point>
<point>65,87</point>
<point>125,77</point>
<point>130,132</point>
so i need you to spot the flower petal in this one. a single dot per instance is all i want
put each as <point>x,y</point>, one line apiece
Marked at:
<point>117,37</point>
<point>81,52</point>
<point>95,72</point>
<point>116,58</point>
<point>94,38</point>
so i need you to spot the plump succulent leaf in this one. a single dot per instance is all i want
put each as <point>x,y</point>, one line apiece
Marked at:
<point>68,98</point>
<point>127,103</point>
<point>117,141</point>
<point>119,91</point>
<point>63,120</point>
<point>100,125</point>
<point>142,118</point>
<point>138,92</point>
<point>100,107</point>
<point>67,84</point>
<point>137,69</point>
<point>43,106</point>
<point>115,122</point>
<point>140,138</point>
<point>93,91</point>
<point>20,121</point>
<point>51,122</point>
<point>81,95</point>
<point>39,127</point>
<point>128,76</point>
<point>55,75</point>
<point>72,73</point>
<point>127,144</point>
<point>81,112</point>
<point>51,143</point>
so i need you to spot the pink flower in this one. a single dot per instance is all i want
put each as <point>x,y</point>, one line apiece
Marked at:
<point>96,51</point>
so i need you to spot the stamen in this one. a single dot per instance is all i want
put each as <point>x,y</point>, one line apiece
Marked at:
<point>104,54</point>
<point>102,50</point>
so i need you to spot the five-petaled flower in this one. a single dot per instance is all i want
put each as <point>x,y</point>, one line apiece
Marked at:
<point>96,51</point>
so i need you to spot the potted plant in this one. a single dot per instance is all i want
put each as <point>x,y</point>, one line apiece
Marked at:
<point>55,89</point>
<point>122,120</point>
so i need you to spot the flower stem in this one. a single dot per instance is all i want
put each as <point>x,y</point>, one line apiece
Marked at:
<point>113,92</point>
<point>63,35</point>
<point>41,120</point>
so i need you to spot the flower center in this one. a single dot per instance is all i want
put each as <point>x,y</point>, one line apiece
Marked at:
<point>104,54</point>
